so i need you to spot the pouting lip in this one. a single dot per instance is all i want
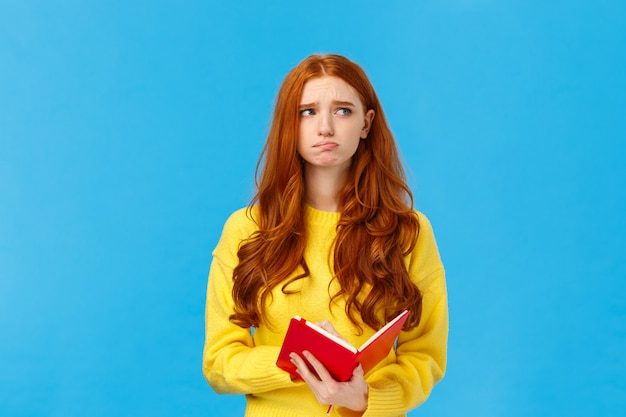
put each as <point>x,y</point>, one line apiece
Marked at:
<point>325,143</point>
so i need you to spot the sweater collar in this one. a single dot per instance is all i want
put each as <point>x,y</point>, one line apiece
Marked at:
<point>321,218</point>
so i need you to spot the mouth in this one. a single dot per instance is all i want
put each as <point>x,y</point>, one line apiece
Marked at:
<point>326,145</point>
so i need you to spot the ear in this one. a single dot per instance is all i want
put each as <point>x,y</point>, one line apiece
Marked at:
<point>369,118</point>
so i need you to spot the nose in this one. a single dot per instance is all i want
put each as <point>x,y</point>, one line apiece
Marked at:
<point>325,125</point>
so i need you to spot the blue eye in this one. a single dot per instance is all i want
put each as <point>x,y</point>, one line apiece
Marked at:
<point>344,111</point>
<point>307,112</point>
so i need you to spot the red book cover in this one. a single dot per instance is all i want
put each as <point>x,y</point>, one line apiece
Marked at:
<point>339,357</point>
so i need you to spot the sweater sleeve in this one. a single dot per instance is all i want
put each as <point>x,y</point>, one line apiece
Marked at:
<point>232,364</point>
<point>396,388</point>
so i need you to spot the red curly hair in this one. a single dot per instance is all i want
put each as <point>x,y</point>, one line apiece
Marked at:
<point>377,228</point>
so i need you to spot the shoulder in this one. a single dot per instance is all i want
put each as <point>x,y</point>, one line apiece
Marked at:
<point>425,256</point>
<point>424,222</point>
<point>244,218</point>
<point>240,225</point>
<point>426,234</point>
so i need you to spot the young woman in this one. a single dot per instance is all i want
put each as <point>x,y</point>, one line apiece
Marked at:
<point>331,235</point>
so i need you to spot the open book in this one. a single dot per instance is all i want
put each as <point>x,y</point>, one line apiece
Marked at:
<point>339,356</point>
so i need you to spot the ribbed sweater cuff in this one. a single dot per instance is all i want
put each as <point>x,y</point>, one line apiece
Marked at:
<point>266,376</point>
<point>383,400</point>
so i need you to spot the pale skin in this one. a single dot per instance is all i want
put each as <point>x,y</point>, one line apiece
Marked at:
<point>352,394</point>
<point>333,121</point>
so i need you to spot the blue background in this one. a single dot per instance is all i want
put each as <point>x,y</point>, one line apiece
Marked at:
<point>129,130</point>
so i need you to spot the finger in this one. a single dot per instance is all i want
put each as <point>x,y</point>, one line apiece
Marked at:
<point>320,369</point>
<point>358,372</point>
<point>302,368</point>
<point>326,325</point>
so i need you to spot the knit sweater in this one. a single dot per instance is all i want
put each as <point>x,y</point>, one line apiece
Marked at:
<point>243,361</point>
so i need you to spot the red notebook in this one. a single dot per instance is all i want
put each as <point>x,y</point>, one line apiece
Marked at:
<point>339,356</point>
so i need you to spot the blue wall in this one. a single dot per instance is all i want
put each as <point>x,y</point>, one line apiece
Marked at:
<point>129,130</point>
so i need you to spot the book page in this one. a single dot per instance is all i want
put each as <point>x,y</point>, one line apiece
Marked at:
<point>369,341</point>
<point>331,336</point>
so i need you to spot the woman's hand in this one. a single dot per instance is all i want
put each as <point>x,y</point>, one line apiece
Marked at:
<point>351,394</point>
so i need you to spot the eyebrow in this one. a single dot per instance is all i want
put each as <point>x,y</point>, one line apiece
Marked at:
<point>334,102</point>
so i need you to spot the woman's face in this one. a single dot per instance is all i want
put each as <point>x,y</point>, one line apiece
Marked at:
<point>332,123</point>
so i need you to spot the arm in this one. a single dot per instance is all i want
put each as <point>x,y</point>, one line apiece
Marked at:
<point>398,387</point>
<point>231,361</point>
<point>421,353</point>
<point>420,363</point>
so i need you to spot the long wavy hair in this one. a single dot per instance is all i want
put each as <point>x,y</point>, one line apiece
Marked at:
<point>377,228</point>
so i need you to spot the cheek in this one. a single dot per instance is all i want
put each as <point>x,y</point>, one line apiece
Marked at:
<point>352,144</point>
<point>356,132</point>
<point>303,131</point>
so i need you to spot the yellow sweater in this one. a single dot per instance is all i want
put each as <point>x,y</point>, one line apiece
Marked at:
<point>238,361</point>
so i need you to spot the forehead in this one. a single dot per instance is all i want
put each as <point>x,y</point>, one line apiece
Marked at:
<point>328,87</point>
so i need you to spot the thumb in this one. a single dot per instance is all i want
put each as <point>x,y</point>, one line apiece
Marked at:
<point>358,371</point>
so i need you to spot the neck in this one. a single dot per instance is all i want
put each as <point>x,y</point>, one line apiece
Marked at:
<point>323,187</point>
